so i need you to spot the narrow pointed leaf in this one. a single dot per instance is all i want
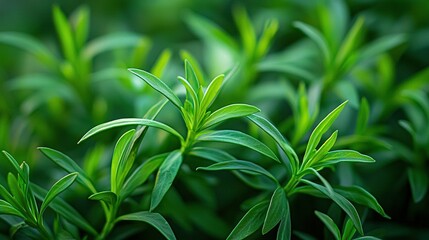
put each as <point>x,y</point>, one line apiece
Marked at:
<point>190,92</point>
<point>361,196</point>
<point>212,154</point>
<point>65,34</point>
<point>419,182</point>
<point>105,196</point>
<point>341,201</point>
<point>118,154</point>
<point>239,165</point>
<point>276,210</point>
<point>322,151</point>
<point>14,162</point>
<point>56,189</point>
<point>158,85</point>
<point>239,138</point>
<point>161,63</point>
<point>212,91</point>
<point>285,230</point>
<point>350,42</point>
<point>190,73</point>
<point>363,117</point>
<point>228,112</point>
<point>7,208</point>
<point>69,165</point>
<point>127,122</point>
<point>330,224</point>
<point>317,38</point>
<point>154,219</point>
<point>338,156</point>
<point>381,45</point>
<point>348,230</point>
<point>165,177</point>
<point>246,29</point>
<point>250,222</point>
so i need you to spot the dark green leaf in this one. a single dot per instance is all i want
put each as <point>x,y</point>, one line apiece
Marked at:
<point>130,121</point>
<point>158,85</point>
<point>419,183</point>
<point>363,117</point>
<point>69,165</point>
<point>239,138</point>
<point>250,222</point>
<point>284,231</point>
<point>228,112</point>
<point>165,177</point>
<point>14,162</point>
<point>330,224</point>
<point>105,196</point>
<point>239,165</point>
<point>7,208</point>
<point>212,154</point>
<point>361,196</point>
<point>154,219</point>
<point>276,210</point>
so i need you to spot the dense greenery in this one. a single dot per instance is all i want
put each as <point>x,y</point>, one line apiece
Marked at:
<point>288,120</point>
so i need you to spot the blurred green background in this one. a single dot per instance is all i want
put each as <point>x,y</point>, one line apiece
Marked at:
<point>53,100</point>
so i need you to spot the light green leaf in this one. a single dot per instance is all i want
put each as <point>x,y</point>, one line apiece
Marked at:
<point>276,210</point>
<point>161,63</point>
<point>341,201</point>
<point>7,208</point>
<point>321,152</point>
<point>16,191</point>
<point>111,42</point>
<point>239,138</point>
<point>69,165</point>
<point>119,154</point>
<point>270,29</point>
<point>317,38</point>
<point>65,210</point>
<point>350,42</point>
<point>105,196</point>
<point>418,179</point>
<point>363,117</point>
<point>130,121</point>
<point>228,112</point>
<point>271,130</point>
<point>250,222</point>
<point>348,230</point>
<point>247,32</point>
<point>80,22</point>
<point>212,154</point>
<point>56,189</point>
<point>330,224</point>
<point>338,156</point>
<point>10,199</point>
<point>65,34</point>
<point>193,71</point>
<point>14,162</point>
<point>141,174</point>
<point>154,219</point>
<point>320,129</point>
<point>158,85</point>
<point>361,196</point>
<point>239,165</point>
<point>212,92</point>
<point>190,93</point>
<point>165,177</point>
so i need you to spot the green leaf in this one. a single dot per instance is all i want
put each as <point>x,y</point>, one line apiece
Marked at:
<point>29,44</point>
<point>16,192</point>
<point>250,222</point>
<point>349,230</point>
<point>247,32</point>
<point>320,129</point>
<point>338,156</point>
<point>239,165</point>
<point>212,92</point>
<point>56,189</point>
<point>165,177</point>
<point>341,201</point>
<point>158,85</point>
<point>80,21</point>
<point>105,196</point>
<point>212,154</point>
<point>367,238</point>
<point>380,45</point>
<point>65,34</point>
<point>161,63</point>
<point>190,93</point>
<point>276,210</point>
<point>112,41</point>
<point>130,121</point>
<point>7,208</point>
<point>141,174</point>
<point>363,117</point>
<point>418,179</point>
<point>69,165</point>
<point>321,152</point>
<point>154,219</point>
<point>350,42</point>
<point>65,210</point>
<point>330,224</point>
<point>284,231</point>
<point>193,72</point>
<point>270,29</point>
<point>272,131</point>
<point>10,199</point>
<point>228,112</point>
<point>119,154</point>
<point>239,138</point>
<point>14,162</point>
<point>317,38</point>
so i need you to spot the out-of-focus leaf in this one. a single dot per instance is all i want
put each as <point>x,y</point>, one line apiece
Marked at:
<point>80,21</point>
<point>110,42</point>
<point>239,138</point>
<point>154,219</point>
<point>363,116</point>
<point>65,34</point>
<point>330,224</point>
<point>418,179</point>
<point>239,165</point>
<point>247,32</point>
<point>318,39</point>
<point>212,154</point>
<point>130,121</point>
<point>228,112</point>
<point>276,210</point>
<point>346,91</point>
<point>165,177</point>
<point>350,42</point>
<point>158,85</point>
<point>265,40</point>
<point>381,45</point>
<point>69,165</point>
<point>250,222</point>
<point>161,63</point>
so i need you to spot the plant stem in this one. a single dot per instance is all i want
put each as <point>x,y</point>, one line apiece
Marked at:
<point>110,223</point>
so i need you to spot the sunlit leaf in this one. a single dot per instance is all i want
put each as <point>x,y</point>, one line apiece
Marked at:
<point>118,156</point>
<point>228,112</point>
